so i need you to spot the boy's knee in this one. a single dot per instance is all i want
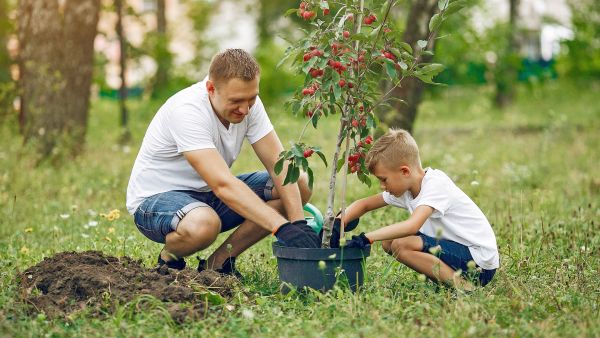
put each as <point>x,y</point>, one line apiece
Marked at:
<point>387,246</point>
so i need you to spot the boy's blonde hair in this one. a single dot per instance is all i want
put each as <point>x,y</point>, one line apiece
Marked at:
<point>233,64</point>
<point>394,149</point>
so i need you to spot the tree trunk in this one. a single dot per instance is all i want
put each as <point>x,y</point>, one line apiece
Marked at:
<point>411,92</point>
<point>56,62</point>
<point>123,66</point>
<point>506,74</point>
<point>162,54</point>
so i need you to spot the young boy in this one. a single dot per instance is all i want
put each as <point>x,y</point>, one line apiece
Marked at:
<point>446,231</point>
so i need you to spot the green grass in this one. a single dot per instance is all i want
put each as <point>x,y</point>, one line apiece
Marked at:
<point>536,171</point>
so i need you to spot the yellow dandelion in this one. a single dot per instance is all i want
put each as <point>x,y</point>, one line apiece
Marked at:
<point>111,230</point>
<point>108,239</point>
<point>29,230</point>
<point>24,250</point>
<point>110,217</point>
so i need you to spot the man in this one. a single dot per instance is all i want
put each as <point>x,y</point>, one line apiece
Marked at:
<point>181,191</point>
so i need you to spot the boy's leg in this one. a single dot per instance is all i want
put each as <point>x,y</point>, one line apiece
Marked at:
<point>408,250</point>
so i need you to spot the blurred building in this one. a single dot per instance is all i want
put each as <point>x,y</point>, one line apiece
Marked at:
<point>231,25</point>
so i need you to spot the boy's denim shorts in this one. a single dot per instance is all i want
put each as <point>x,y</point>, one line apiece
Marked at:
<point>160,214</point>
<point>457,256</point>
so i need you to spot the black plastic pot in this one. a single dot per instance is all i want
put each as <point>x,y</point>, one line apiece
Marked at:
<point>299,267</point>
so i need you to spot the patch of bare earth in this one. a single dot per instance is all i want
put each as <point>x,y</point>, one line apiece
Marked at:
<point>75,281</point>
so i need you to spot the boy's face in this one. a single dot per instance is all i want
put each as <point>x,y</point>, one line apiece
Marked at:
<point>395,181</point>
<point>233,99</point>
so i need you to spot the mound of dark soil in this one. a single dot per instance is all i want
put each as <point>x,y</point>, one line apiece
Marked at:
<point>73,281</point>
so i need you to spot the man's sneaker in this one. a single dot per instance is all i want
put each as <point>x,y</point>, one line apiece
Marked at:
<point>228,268</point>
<point>178,264</point>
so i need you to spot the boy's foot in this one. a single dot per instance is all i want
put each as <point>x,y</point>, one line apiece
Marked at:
<point>228,268</point>
<point>178,264</point>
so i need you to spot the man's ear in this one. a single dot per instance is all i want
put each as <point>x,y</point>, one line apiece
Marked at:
<point>210,87</point>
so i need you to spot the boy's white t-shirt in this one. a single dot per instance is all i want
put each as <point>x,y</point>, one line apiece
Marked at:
<point>458,217</point>
<point>187,122</point>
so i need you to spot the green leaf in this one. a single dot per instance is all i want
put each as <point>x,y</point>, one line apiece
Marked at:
<point>295,174</point>
<point>304,164</point>
<point>288,175</point>
<point>212,297</point>
<point>391,70</point>
<point>340,163</point>
<point>422,43</point>
<point>406,47</point>
<point>455,6</point>
<point>311,178</point>
<point>434,22</point>
<point>442,4</point>
<point>291,11</point>
<point>432,69</point>
<point>279,166</point>
<point>297,151</point>
<point>321,156</point>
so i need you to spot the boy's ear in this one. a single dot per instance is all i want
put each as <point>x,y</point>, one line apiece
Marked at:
<point>405,170</point>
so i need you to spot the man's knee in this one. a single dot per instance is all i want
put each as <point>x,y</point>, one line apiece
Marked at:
<point>200,225</point>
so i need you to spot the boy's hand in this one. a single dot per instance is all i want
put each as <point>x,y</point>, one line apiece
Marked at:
<point>334,241</point>
<point>297,234</point>
<point>361,241</point>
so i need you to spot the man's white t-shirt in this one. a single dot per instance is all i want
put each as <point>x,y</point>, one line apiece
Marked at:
<point>458,217</point>
<point>187,122</point>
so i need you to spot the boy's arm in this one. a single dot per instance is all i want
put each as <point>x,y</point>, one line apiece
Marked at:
<point>362,206</point>
<point>406,228</point>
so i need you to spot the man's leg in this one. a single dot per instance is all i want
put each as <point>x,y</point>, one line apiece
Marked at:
<point>197,230</point>
<point>249,233</point>
<point>407,250</point>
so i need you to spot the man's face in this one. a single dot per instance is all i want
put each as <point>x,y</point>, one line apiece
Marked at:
<point>396,182</point>
<point>232,100</point>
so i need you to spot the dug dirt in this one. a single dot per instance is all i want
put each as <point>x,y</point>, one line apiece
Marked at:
<point>90,281</point>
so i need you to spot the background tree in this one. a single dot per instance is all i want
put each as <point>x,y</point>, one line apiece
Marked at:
<point>505,73</point>
<point>409,95</point>
<point>581,57</point>
<point>161,53</point>
<point>7,87</point>
<point>56,41</point>
<point>123,69</point>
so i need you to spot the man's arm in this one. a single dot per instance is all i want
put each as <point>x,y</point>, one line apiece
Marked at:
<point>229,189</point>
<point>406,228</point>
<point>268,149</point>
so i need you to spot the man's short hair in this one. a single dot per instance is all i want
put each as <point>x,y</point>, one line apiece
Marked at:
<point>233,64</point>
<point>394,149</point>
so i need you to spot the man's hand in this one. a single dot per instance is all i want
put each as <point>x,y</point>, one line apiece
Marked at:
<point>297,234</point>
<point>361,241</point>
<point>334,241</point>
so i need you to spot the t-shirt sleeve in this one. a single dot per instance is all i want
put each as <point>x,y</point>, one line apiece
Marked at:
<point>393,200</point>
<point>190,129</point>
<point>436,194</point>
<point>259,124</point>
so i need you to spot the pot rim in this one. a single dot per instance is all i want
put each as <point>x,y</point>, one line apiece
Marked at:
<point>320,254</point>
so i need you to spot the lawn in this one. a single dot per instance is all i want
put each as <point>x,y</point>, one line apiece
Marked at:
<point>532,169</point>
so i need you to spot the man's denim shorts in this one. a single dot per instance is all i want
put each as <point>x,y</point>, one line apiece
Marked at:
<point>160,214</point>
<point>457,256</point>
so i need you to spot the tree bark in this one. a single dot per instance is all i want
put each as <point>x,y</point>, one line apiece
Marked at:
<point>122,64</point>
<point>162,54</point>
<point>56,62</point>
<point>411,92</point>
<point>506,75</point>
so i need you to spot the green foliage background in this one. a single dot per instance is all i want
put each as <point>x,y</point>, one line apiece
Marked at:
<point>531,169</point>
